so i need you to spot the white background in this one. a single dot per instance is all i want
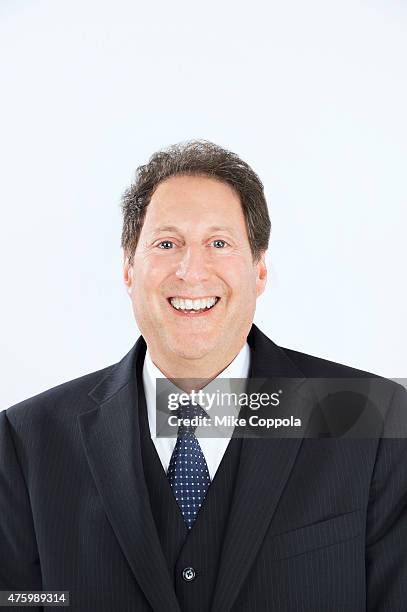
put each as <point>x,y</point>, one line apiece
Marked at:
<point>312,94</point>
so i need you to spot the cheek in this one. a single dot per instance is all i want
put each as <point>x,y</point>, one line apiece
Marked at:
<point>147,285</point>
<point>241,281</point>
<point>160,263</point>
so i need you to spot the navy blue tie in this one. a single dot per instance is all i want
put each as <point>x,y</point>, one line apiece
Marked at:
<point>188,472</point>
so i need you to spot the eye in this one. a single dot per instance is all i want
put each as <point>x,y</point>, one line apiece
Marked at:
<point>219,244</point>
<point>166,243</point>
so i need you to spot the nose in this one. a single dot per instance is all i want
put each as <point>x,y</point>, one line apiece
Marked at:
<point>193,266</point>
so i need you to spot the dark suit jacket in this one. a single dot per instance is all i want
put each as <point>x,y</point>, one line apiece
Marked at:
<point>315,524</point>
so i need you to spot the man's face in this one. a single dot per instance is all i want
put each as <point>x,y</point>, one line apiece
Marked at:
<point>194,245</point>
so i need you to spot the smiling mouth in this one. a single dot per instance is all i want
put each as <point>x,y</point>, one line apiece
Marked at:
<point>193,307</point>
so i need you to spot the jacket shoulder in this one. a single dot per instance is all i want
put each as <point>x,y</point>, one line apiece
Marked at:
<point>317,367</point>
<point>68,395</point>
<point>313,366</point>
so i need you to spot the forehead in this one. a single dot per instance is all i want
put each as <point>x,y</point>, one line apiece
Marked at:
<point>194,198</point>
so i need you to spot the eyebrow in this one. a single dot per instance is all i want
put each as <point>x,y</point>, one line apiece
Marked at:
<point>165,228</point>
<point>173,228</point>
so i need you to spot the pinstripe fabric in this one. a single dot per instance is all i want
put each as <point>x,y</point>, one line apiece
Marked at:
<point>314,525</point>
<point>171,528</point>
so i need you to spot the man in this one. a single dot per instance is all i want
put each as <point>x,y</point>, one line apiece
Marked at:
<point>89,497</point>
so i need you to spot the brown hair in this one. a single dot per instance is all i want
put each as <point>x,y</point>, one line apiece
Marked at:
<point>196,158</point>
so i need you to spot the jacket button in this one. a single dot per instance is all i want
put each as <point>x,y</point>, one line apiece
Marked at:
<point>188,573</point>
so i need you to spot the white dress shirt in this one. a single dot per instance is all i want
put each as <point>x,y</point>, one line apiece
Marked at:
<point>213,448</point>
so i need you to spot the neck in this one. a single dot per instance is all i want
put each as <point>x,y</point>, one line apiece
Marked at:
<point>192,374</point>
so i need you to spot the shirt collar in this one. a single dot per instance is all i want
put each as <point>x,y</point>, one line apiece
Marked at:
<point>237,369</point>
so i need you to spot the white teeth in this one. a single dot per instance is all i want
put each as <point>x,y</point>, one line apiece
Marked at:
<point>187,304</point>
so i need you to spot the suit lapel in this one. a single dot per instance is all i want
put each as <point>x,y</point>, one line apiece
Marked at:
<point>265,466</point>
<point>111,439</point>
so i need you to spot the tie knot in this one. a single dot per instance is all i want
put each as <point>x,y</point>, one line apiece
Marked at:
<point>189,411</point>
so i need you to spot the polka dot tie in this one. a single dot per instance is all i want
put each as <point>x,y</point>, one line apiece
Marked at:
<point>188,472</point>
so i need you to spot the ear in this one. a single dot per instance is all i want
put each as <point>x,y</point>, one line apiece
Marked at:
<point>127,273</point>
<point>261,274</point>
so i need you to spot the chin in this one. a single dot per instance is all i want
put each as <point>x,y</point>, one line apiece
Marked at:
<point>188,349</point>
